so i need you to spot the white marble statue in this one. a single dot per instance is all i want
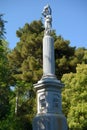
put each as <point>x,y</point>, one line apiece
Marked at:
<point>47,13</point>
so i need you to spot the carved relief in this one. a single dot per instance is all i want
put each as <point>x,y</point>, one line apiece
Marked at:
<point>43,123</point>
<point>42,100</point>
<point>56,101</point>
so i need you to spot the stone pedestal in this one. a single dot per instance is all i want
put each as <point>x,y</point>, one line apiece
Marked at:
<point>49,109</point>
<point>50,122</point>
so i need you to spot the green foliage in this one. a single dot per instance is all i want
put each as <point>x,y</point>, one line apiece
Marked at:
<point>25,63</point>
<point>4,78</point>
<point>64,55</point>
<point>4,81</point>
<point>22,67</point>
<point>26,59</point>
<point>75,98</point>
<point>2,28</point>
<point>81,54</point>
<point>68,57</point>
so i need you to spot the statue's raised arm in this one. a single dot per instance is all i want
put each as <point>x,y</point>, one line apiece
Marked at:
<point>47,13</point>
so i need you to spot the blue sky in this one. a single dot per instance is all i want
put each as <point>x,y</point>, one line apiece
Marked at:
<point>69,18</point>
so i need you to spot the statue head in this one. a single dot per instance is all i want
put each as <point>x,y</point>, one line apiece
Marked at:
<point>46,11</point>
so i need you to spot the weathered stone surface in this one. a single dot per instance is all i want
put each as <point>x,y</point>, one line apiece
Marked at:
<point>48,95</point>
<point>48,56</point>
<point>50,122</point>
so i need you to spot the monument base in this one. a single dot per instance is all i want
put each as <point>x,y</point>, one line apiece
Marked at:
<point>50,122</point>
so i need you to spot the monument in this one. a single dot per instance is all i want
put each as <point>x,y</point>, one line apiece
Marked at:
<point>49,109</point>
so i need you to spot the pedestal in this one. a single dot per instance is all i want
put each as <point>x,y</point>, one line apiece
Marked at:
<point>49,109</point>
<point>49,122</point>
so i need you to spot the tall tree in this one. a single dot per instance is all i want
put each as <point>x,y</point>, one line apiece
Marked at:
<point>2,27</point>
<point>4,76</point>
<point>64,55</point>
<point>25,59</point>
<point>4,80</point>
<point>25,62</point>
<point>75,98</point>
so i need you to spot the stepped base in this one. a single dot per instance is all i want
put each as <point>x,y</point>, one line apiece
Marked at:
<point>50,122</point>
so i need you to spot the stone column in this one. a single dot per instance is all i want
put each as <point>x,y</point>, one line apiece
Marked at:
<point>48,56</point>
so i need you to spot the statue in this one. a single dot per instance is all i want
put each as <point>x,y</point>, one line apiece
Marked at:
<point>48,19</point>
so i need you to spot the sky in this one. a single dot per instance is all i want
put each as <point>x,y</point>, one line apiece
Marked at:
<point>69,18</point>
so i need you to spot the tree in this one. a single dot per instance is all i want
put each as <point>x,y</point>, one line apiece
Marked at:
<point>81,54</point>
<point>68,57</point>
<point>25,59</point>
<point>2,27</point>
<point>5,91</point>
<point>4,77</point>
<point>4,72</point>
<point>75,98</point>
<point>4,81</point>
<point>64,55</point>
<point>25,62</point>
